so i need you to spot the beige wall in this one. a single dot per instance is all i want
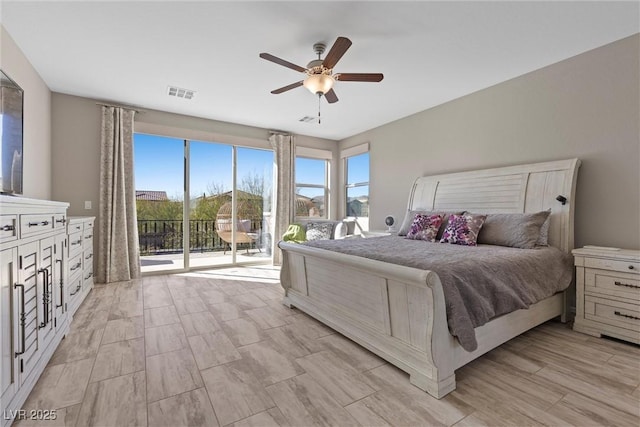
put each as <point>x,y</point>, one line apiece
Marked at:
<point>76,144</point>
<point>37,118</point>
<point>76,152</point>
<point>586,107</point>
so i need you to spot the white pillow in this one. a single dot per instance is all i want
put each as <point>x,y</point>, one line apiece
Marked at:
<point>340,231</point>
<point>319,230</point>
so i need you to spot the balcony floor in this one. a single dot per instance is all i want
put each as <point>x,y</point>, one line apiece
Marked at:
<point>155,263</point>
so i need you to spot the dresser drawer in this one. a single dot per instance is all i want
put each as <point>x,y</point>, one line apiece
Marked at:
<point>59,221</point>
<point>87,275</point>
<point>75,287</point>
<point>615,313</point>
<point>612,283</point>
<point>74,226</point>
<point>31,225</point>
<point>87,256</point>
<point>610,264</point>
<point>87,243</point>
<point>88,232</point>
<point>8,228</point>
<point>75,265</point>
<point>75,244</point>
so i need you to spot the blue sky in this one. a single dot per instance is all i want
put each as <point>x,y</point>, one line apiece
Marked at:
<point>158,166</point>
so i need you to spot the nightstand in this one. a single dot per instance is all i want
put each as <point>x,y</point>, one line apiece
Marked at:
<point>608,292</point>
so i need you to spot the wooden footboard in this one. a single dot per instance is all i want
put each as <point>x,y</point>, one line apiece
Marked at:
<point>396,312</point>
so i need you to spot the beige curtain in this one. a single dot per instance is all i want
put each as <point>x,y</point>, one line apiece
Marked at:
<point>284,189</point>
<point>118,257</point>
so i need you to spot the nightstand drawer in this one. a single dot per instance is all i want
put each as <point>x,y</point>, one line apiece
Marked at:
<point>610,264</point>
<point>605,282</point>
<point>615,313</point>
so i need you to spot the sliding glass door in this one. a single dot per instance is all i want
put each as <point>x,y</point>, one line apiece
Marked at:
<point>228,215</point>
<point>159,178</point>
<point>210,185</point>
<point>254,184</point>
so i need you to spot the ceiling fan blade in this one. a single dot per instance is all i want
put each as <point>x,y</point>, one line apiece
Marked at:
<point>286,88</point>
<point>282,62</point>
<point>359,77</point>
<point>331,97</point>
<point>337,50</point>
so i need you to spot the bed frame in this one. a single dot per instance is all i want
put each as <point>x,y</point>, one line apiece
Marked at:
<point>398,312</point>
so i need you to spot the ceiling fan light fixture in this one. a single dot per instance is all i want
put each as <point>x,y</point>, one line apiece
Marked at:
<point>319,83</point>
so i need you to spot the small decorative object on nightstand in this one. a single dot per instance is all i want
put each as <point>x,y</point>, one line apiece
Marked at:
<point>390,220</point>
<point>608,292</point>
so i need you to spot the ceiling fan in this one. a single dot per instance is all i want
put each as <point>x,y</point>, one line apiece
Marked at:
<point>320,77</point>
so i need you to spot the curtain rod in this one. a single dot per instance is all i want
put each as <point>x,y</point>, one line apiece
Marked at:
<point>128,107</point>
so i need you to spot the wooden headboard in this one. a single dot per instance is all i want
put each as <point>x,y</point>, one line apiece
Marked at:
<point>513,189</point>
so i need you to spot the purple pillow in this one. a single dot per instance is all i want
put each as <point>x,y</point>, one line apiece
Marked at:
<point>424,227</point>
<point>463,229</point>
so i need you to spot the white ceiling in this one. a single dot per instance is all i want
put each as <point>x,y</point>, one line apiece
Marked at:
<point>429,52</point>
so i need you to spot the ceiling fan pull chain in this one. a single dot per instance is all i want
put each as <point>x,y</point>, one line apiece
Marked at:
<point>319,97</point>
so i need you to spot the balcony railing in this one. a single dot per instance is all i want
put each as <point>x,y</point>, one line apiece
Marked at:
<point>163,236</point>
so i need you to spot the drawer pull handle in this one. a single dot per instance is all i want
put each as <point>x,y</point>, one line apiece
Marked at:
<point>88,276</point>
<point>628,316</point>
<point>89,256</point>
<point>61,221</point>
<point>75,267</point>
<point>626,285</point>
<point>61,305</point>
<point>631,267</point>
<point>33,224</point>
<point>8,228</point>
<point>23,321</point>
<point>88,236</point>
<point>45,297</point>
<point>77,242</point>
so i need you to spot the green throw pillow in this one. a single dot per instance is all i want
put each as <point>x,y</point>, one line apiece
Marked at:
<point>295,233</point>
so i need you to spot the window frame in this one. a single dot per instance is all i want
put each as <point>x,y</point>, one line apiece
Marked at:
<point>319,155</point>
<point>345,155</point>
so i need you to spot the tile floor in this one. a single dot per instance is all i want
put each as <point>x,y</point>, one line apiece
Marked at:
<point>218,348</point>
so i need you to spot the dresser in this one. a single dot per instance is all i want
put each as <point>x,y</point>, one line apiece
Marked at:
<point>608,292</point>
<point>33,286</point>
<point>80,265</point>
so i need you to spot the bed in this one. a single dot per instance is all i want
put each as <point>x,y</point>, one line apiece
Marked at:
<point>399,312</point>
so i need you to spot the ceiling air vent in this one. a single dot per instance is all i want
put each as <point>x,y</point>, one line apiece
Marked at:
<point>180,92</point>
<point>306,119</point>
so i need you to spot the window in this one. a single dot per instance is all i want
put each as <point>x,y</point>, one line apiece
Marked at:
<point>356,183</point>
<point>312,187</point>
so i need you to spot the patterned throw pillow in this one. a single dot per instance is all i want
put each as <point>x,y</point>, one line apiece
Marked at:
<point>463,229</point>
<point>319,231</point>
<point>424,227</point>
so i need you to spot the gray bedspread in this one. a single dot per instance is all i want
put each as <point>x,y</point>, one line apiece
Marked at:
<point>479,283</point>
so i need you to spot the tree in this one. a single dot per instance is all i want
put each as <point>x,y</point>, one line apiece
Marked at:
<point>159,210</point>
<point>206,207</point>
